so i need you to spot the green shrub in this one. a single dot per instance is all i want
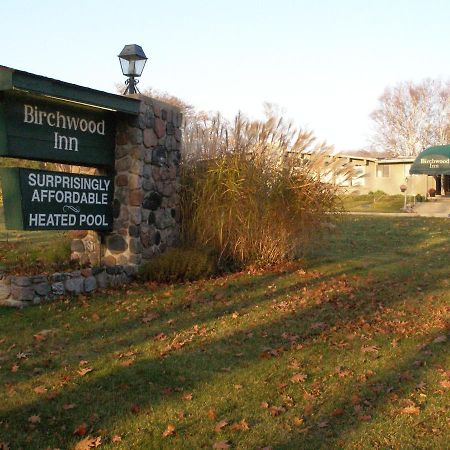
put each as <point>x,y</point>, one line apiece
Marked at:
<point>179,264</point>
<point>420,198</point>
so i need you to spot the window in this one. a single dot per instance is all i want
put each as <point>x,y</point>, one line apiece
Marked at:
<point>382,171</point>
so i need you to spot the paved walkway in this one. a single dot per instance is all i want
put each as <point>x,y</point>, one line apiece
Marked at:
<point>381,214</point>
<point>433,208</point>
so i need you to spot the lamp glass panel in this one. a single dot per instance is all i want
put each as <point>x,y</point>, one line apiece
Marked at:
<point>124,64</point>
<point>132,67</point>
<point>138,66</point>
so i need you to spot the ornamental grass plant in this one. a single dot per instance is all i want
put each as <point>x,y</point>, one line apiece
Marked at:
<point>255,191</point>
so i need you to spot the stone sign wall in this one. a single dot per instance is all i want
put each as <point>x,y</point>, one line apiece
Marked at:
<point>146,197</point>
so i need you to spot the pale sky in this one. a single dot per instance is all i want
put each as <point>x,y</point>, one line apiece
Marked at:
<point>324,62</point>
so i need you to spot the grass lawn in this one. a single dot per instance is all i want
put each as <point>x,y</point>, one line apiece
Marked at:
<point>346,349</point>
<point>377,202</point>
<point>32,252</point>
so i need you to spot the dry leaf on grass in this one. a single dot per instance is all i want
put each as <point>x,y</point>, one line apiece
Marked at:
<point>365,417</point>
<point>40,390</point>
<point>188,396</point>
<point>68,406</point>
<point>34,419</point>
<point>298,421</point>
<point>149,317</point>
<point>127,362</point>
<point>80,430</point>
<point>298,378</point>
<point>337,412</point>
<point>410,410</point>
<point>440,339</point>
<point>220,425</point>
<point>276,410</point>
<point>135,409</point>
<point>222,445</point>
<point>116,438</point>
<point>88,443</point>
<point>83,372</point>
<point>170,430</point>
<point>159,337</point>
<point>370,349</point>
<point>241,426</point>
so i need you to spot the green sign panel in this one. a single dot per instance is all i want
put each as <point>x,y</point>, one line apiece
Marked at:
<point>49,129</point>
<point>433,161</point>
<point>44,200</point>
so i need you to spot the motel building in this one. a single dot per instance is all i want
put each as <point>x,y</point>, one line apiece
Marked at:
<point>430,170</point>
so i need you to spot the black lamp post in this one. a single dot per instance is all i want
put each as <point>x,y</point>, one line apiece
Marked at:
<point>132,60</point>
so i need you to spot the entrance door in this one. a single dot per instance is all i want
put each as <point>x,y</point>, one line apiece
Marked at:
<point>447,184</point>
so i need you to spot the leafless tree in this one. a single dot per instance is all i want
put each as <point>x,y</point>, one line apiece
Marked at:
<point>412,116</point>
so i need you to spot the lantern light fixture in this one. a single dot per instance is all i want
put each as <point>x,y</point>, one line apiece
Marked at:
<point>132,61</point>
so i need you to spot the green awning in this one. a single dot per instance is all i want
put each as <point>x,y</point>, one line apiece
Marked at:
<point>432,161</point>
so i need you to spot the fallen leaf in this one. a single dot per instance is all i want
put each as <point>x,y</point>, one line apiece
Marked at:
<point>83,372</point>
<point>34,419</point>
<point>410,410</point>
<point>212,414</point>
<point>220,425</point>
<point>187,396</point>
<point>39,337</point>
<point>264,405</point>
<point>440,339</point>
<point>222,445</point>
<point>170,430</point>
<point>323,424</point>
<point>298,421</point>
<point>116,438</point>
<point>127,362</point>
<point>406,376</point>
<point>40,390</point>
<point>88,443</point>
<point>80,430</point>
<point>149,317</point>
<point>370,349</point>
<point>83,362</point>
<point>365,417</point>
<point>445,384</point>
<point>68,406</point>
<point>276,410</point>
<point>241,426</point>
<point>14,367</point>
<point>52,395</point>
<point>337,412</point>
<point>298,378</point>
<point>159,337</point>
<point>95,317</point>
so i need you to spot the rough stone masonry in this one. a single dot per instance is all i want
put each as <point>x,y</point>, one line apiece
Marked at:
<point>146,198</point>
<point>146,212</point>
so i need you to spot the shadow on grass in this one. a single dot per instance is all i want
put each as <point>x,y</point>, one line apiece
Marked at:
<point>154,379</point>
